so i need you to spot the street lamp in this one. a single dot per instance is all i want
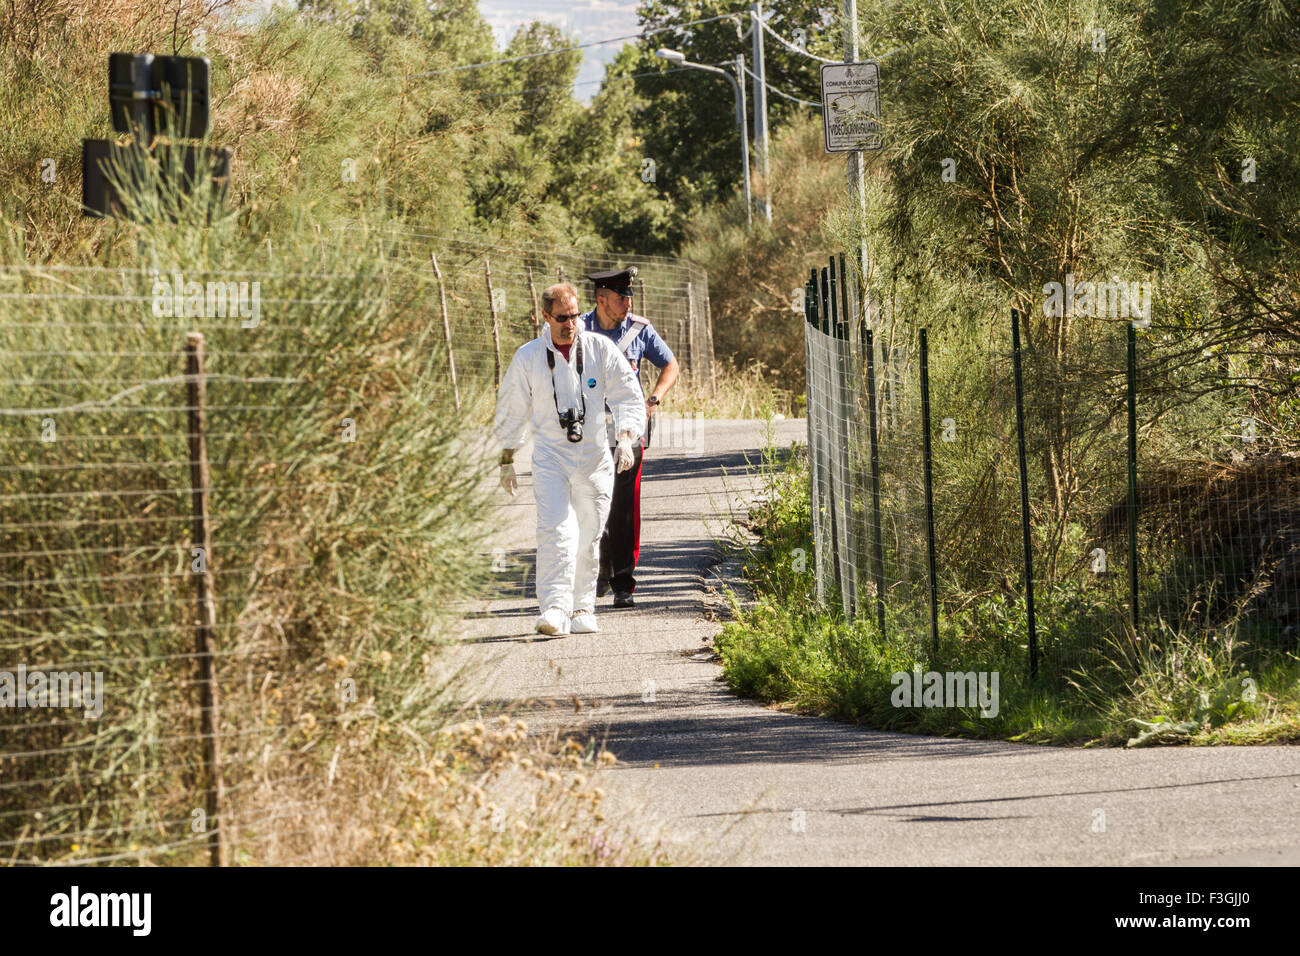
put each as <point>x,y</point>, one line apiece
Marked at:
<point>674,56</point>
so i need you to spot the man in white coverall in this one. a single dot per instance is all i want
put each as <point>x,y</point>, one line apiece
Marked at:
<point>558,385</point>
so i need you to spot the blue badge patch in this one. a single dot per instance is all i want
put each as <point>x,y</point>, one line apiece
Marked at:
<point>591,383</point>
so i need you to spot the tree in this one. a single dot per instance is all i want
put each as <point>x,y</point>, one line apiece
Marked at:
<point>1215,110</point>
<point>540,87</point>
<point>1092,142</point>
<point>453,31</point>
<point>686,120</point>
<point>606,180</point>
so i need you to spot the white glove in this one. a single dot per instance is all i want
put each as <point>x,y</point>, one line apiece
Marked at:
<point>508,480</point>
<point>623,454</point>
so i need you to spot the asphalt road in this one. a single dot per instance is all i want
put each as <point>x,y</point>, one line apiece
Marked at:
<point>728,780</point>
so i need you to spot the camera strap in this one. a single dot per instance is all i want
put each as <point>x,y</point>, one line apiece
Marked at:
<point>550,363</point>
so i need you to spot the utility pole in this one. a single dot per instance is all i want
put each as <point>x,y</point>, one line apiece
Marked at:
<point>760,106</point>
<point>744,135</point>
<point>857,173</point>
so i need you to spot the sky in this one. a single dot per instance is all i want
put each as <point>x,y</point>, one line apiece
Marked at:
<point>588,19</point>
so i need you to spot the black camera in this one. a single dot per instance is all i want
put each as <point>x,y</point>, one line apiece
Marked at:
<point>571,422</point>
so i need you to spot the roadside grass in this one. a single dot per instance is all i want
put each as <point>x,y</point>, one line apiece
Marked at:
<point>752,392</point>
<point>786,649</point>
<point>484,791</point>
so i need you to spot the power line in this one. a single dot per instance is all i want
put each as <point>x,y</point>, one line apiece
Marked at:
<point>813,56</point>
<point>790,46</point>
<point>772,89</point>
<point>565,86</point>
<point>579,46</point>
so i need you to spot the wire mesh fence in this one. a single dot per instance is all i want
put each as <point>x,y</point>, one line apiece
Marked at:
<point>482,279</point>
<point>1053,490</point>
<point>182,690</point>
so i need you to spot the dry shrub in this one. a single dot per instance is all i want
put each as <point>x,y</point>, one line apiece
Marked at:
<point>1236,524</point>
<point>483,792</point>
<point>53,30</point>
<point>263,100</point>
<point>54,94</point>
<point>749,392</point>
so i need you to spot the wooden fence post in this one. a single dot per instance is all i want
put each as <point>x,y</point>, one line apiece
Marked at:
<point>684,347</point>
<point>532,292</point>
<point>692,326</point>
<point>706,317</point>
<point>496,331</point>
<point>446,329</point>
<point>205,625</point>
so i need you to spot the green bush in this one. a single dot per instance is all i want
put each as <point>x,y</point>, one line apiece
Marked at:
<point>1095,683</point>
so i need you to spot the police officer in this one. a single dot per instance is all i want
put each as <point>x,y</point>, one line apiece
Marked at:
<point>636,338</point>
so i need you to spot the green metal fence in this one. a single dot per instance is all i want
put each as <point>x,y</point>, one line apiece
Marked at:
<point>1055,489</point>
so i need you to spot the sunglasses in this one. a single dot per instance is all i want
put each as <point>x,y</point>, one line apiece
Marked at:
<point>565,318</point>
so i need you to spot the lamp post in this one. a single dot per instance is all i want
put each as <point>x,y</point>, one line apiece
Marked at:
<point>760,106</point>
<point>673,56</point>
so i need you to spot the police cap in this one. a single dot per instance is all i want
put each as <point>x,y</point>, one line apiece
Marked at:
<point>620,280</point>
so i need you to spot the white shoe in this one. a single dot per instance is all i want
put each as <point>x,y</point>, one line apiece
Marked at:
<point>554,621</point>
<point>584,622</point>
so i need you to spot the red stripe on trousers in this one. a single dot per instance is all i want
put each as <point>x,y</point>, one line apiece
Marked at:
<point>636,512</point>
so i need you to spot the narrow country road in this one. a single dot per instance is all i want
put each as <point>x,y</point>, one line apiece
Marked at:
<point>735,782</point>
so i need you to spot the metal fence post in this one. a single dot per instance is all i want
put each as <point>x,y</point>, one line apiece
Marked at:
<point>1132,475</point>
<point>928,457</point>
<point>830,427</point>
<point>848,411</point>
<point>879,566</point>
<point>811,387</point>
<point>1024,493</point>
<point>839,443</point>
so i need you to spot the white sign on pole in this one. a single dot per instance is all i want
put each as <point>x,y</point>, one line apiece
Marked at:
<point>851,106</point>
